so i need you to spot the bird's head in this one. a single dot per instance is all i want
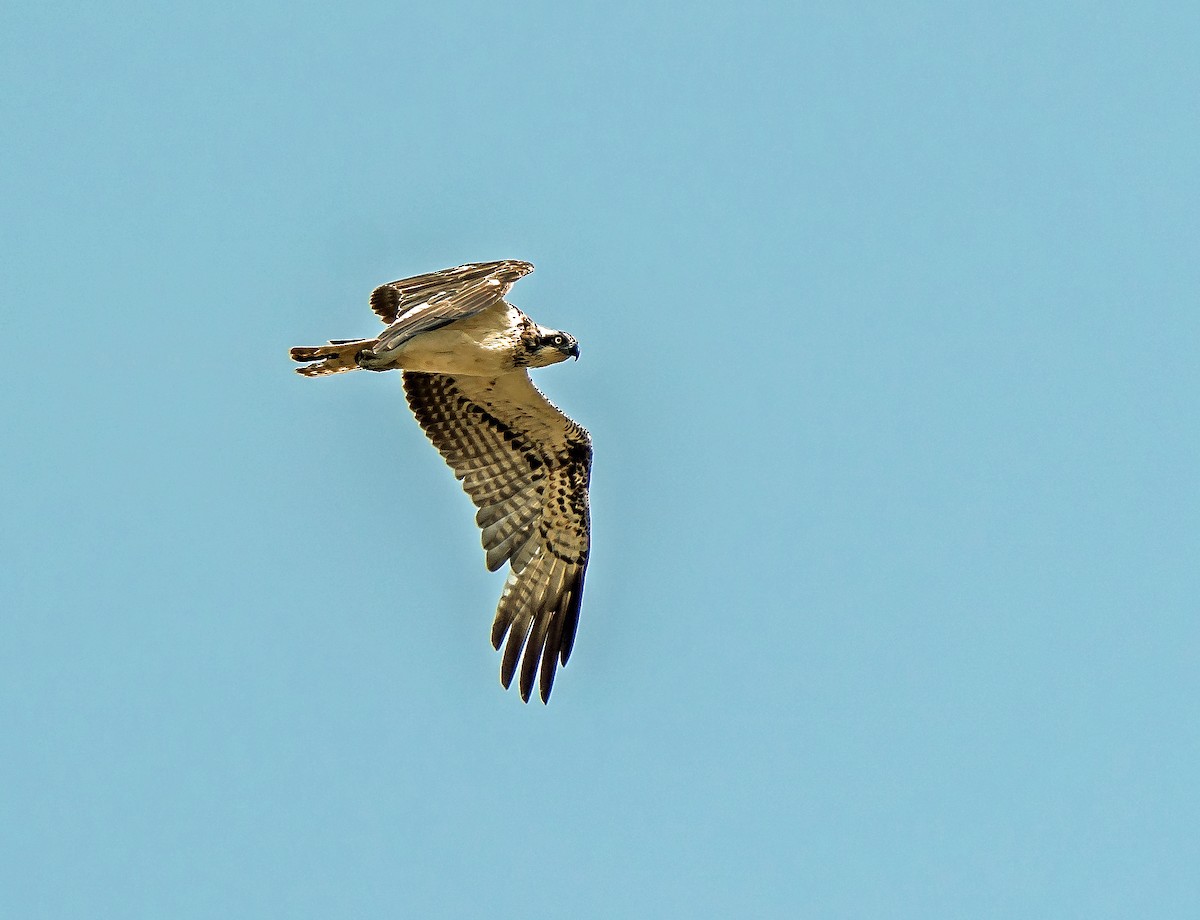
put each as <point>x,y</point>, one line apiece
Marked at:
<point>552,346</point>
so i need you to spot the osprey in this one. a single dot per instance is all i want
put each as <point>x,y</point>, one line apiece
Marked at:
<point>464,352</point>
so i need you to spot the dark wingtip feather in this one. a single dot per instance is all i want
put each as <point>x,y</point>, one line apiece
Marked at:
<point>517,634</point>
<point>384,301</point>
<point>499,630</point>
<point>571,620</point>
<point>553,647</point>
<point>549,667</point>
<point>533,653</point>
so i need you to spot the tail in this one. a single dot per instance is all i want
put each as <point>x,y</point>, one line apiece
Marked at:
<point>337,356</point>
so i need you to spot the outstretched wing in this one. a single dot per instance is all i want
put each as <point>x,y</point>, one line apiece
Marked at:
<point>527,468</point>
<point>414,305</point>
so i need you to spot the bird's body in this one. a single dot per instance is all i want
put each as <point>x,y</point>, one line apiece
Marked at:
<point>464,353</point>
<point>482,345</point>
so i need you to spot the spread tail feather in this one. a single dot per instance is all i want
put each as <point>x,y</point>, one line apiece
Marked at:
<point>333,358</point>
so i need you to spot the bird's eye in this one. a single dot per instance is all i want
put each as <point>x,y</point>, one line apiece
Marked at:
<point>557,340</point>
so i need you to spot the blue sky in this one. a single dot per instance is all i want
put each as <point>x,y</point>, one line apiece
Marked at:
<point>888,320</point>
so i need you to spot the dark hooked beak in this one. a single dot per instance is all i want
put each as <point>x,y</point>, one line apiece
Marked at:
<point>573,351</point>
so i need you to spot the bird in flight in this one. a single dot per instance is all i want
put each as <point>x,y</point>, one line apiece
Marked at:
<point>464,354</point>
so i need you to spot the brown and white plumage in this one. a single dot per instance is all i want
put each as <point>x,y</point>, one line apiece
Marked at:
<point>526,466</point>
